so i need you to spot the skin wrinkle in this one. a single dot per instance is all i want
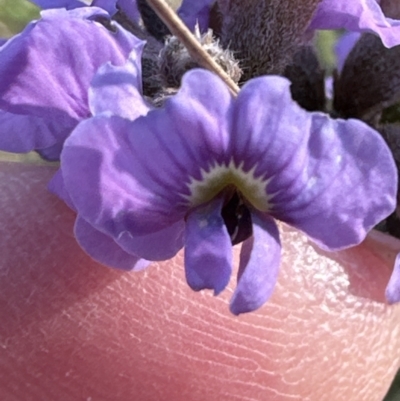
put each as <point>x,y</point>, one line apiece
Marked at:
<point>73,329</point>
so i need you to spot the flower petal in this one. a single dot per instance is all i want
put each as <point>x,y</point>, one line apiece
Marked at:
<point>104,249</point>
<point>130,9</point>
<point>259,266</point>
<point>57,187</point>
<point>109,5</point>
<point>161,245</point>
<point>196,11</point>
<point>208,248</point>
<point>45,82</point>
<point>106,182</point>
<point>68,4</point>
<point>347,186</point>
<point>343,47</point>
<point>357,16</point>
<point>117,89</point>
<point>22,133</point>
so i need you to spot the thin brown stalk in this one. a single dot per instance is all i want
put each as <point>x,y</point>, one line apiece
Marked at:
<point>179,29</point>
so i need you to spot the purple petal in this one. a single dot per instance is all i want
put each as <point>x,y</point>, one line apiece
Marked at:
<point>357,16</point>
<point>196,11</point>
<point>134,176</point>
<point>393,288</point>
<point>52,153</point>
<point>57,187</point>
<point>51,97</point>
<point>68,4</point>
<point>104,250</point>
<point>343,47</point>
<point>160,245</point>
<point>108,5</point>
<point>98,166</point>
<point>208,248</point>
<point>117,90</point>
<point>333,179</point>
<point>259,266</point>
<point>347,186</point>
<point>130,9</point>
<point>21,133</point>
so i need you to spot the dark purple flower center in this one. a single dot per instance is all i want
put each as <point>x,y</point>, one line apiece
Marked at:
<point>237,219</point>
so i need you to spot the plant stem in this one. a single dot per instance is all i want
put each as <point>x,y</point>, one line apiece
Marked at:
<point>179,29</point>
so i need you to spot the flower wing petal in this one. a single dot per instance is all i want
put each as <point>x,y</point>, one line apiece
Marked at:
<point>103,248</point>
<point>45,82</point>
<point>208,248</point>
<point>357,16</point>
<point>259,266</point>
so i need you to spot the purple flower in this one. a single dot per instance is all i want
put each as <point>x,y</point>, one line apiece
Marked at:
<point>46,71</point>
<point>68,4</point>
<point>208,170</point>
<point>129,7</point>
<point>357,16</point>
<point>196,11</point>
<point>344,46</point>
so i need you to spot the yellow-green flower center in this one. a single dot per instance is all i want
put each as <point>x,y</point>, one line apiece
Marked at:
<point>218,177</point>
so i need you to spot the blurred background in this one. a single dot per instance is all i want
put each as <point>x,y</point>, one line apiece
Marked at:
<point>15,14</point>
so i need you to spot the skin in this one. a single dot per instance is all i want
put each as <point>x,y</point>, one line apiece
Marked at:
<point>72,329</point>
